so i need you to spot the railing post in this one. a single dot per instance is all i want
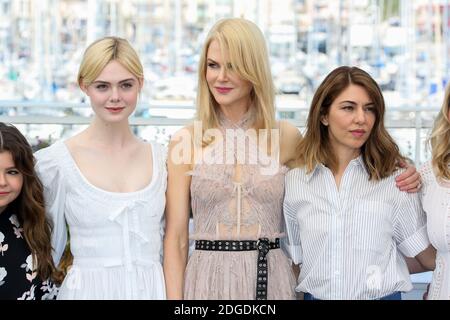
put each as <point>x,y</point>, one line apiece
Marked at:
<point>418,122</point>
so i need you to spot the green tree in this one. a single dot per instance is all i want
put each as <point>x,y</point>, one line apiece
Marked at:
<point>391,8</point>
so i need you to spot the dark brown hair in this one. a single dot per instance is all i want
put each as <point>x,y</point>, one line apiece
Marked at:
<point>380,153</point>
<point>29,205</point>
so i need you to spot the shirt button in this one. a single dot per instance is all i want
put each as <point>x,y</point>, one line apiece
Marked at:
<point>336,273</point>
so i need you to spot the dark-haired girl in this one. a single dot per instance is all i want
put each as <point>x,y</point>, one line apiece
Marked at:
<point>26,264</point>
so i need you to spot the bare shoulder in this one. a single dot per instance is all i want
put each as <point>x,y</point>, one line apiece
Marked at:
<point>288,130</point>
<point>181,149</point>
<point>290,136</point>
<point>145,147</point>
<point>77,142</point>
<point>74,144</point>
<point>72,141</point>
<point>184,133</point>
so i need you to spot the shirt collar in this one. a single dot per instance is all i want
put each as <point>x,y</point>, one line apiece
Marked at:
<point>357,162</point>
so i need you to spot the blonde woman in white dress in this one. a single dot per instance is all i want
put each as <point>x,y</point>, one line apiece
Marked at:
<point>436,200</point>
<point>108,187</point>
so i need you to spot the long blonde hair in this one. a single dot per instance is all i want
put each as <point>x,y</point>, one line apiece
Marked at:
<point>380,153</point>
<point>440,140</point>
<point>246,48</point>
<point>103,51</point>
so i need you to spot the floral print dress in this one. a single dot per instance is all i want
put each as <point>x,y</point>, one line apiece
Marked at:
<point>18,277</point>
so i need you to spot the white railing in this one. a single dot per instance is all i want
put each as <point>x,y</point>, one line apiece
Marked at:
<point>174,114</point>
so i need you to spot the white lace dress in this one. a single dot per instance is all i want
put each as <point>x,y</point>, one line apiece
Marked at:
<point>115,238</point>
<point>436,203</point>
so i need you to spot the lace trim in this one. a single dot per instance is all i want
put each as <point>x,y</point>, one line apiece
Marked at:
<point>436,282</point>
<point>224,174</point>
<point>244,123</point>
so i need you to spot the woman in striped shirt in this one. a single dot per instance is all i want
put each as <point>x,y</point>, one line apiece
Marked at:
<point>346,222</point>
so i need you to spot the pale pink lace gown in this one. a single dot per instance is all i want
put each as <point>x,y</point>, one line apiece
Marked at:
<point>227,210</point>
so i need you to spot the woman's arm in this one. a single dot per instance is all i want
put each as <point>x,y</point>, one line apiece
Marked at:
<point>296,270</point>
<point>176,238</point>
<point>427,258</point>
<point>423,262</point>
<point>414,265</point>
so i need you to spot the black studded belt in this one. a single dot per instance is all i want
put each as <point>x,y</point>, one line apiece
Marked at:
<point>263,246</point>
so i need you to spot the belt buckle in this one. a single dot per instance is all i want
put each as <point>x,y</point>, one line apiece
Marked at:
<point>263,244</point>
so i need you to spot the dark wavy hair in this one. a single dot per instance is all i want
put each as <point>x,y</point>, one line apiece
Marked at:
<point>29,205</point>
<point>380,153</point>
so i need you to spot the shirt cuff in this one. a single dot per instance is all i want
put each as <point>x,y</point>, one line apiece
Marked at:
<point>416,243</point>
<point>294,252</point>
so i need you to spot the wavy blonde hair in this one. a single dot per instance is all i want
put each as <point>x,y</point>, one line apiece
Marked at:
<point>245,46</point>
<point>380,153</point>
<point>103,51</point>
<point>440,140</point>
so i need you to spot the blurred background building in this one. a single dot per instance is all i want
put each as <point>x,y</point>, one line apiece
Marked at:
<point>403,44</point>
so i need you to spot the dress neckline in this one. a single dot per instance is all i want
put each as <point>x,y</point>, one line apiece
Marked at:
<point>79,174</point>
<point>246,121</point>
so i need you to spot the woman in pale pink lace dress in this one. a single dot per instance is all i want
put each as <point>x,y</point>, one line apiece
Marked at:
<point>235,189</point>
<point>229,169</point>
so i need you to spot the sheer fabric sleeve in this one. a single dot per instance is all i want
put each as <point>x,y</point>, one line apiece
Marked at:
<point>50,173</point>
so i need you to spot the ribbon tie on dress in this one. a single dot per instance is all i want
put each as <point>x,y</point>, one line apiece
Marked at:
<point>128,218</point>
<point>241,191</point>
<point>238,190</point>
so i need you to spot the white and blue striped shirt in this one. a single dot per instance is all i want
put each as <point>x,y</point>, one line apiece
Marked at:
<point>349,240</point>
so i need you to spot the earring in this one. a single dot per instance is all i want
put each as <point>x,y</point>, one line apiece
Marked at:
<point>325,123</point>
